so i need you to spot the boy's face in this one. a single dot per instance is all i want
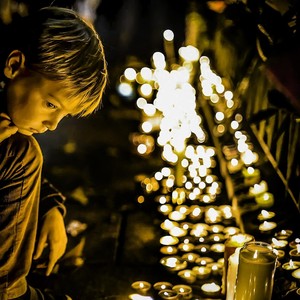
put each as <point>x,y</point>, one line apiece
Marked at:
<point>36,104</point>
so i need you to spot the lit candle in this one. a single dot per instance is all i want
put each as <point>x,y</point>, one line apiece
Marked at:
<point>295,253</point>
<point>216,228</point>
<point>232,243</point>
<point>162,285</point>
<point>168,295</point>
<point>187,275</point>
<point>258,188</point>
<point>184,291</point>
<point>294,243</point>
<point>283,234</point>
<point>217,237</point>
<point>255,279</point>
<point>279,244</point>
<point>173,263</point>
<point>202,272</point>
<point>230,231</point>
<point>266,226</point>
<point>230,282</point>
<point>265,215</point>
<point>202,248</point>
<point>211,289</point>
<point>177,232</point>
<point>291,265</point>
<point>141,286</point>
<point>203,261</point>
<point>251,175</point>
<point>176,216</point>
<point>186,247</point>
<point>234,165</point>
<point>218,248</point>
<point>212,215</point>
<point>169,240</point>
<point>216,268</point>
<point>168,224</point>
<point>139,297</point>
<point>265,200</point>
<point>190,257</point>
<point>168,250</point>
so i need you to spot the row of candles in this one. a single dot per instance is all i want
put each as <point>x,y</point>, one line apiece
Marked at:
<point>200,233</point>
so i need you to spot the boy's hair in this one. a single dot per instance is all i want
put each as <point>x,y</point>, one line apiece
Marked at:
<point>60,45</point>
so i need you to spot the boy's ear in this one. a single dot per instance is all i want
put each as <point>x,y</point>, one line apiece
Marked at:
<point>15,63</point>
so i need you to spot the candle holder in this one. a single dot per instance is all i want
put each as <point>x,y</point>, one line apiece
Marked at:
<point>173,263</point>
<point>283,234</point>
<point>202,272</point>
<point>187,275</point>
<point>184,291</point>
<point>162,285</point>
<point>255,278</point>
<point>168,295</point>
<point>141,286</point>
<point>211,289</point>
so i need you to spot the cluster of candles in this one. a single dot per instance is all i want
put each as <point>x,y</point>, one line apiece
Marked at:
<point>200,231</point>
<point>144,290</point>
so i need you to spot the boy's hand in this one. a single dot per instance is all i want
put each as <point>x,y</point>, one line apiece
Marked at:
<point>54,234</point>
<point>7,128</point>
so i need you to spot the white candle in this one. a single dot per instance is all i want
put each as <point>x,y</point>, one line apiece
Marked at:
<point>233,263</point>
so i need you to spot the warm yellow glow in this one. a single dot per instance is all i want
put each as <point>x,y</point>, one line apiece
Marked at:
<point>189,53</point>
<point>168,35</point>
<point>125,89</point>
<point>146,73</point>
<point>130,74</point>
<point>158,60</point>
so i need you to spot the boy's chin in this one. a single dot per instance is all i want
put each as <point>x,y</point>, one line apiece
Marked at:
<point>25,132</point>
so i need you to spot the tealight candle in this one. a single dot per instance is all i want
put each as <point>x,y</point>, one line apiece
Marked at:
<point>186,247</point>
<point>267,226</point>
<point>190,257</point>
<point>169,240</point>
<point>230,231</point>
<point>265,199</point>
<point>168,294</point>
<point>168,250</point>
<point>283,234</point>
<point>203,261</point>
<point>187,275</point>
<point>211,289</point>
<point>202,248</point>
<point>165,209</point>
<point>173,263</point>
<point>217,237</point>
<point>202,272</point>
<point>184,291</point>
<point>265,215</point>
<point>216,268</point>
<point>177,232</point>
<point>176,216</point>
<point>141,286</point>
<point>295,253</point>
<point>251,175</point>
<point>217,228</point>
<point>258,188</point>
<point>168,224</point>
<point>212,215</point>
<point>291,265</point>
<point>139,297</point>
<point>296,274</point>
<point>217,248</point>
<point>294,243</point>
<point>279,244</point>
<point>162,285</point>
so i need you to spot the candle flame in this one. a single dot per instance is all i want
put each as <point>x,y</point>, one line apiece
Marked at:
<point>255,254</point>
<point>291,263</point>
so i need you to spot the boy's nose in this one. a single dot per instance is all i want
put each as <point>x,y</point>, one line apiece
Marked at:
<point>52,124</point>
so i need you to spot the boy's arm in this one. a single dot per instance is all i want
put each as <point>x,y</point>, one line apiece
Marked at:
<point>52,230</point>
<point>51,197</point>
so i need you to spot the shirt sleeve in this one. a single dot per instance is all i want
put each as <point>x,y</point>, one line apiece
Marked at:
<point>51,197</point>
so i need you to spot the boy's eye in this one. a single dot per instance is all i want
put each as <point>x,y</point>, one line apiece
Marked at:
<point>51,105</point>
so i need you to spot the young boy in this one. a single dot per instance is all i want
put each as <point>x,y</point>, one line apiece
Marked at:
<point>52,66</point>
